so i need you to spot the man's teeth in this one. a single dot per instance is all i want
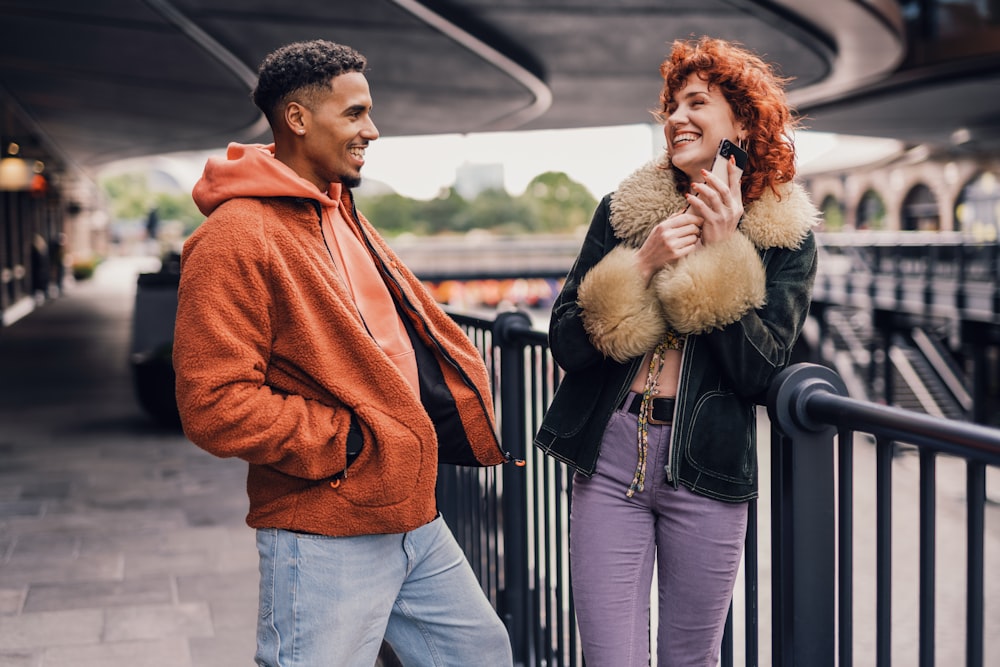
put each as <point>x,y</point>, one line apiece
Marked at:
<point>358,153</point>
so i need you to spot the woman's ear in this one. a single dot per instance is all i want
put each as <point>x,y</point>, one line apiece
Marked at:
<point>742,134</point>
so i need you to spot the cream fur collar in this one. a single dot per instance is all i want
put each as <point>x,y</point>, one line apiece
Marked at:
<point>649,195</point>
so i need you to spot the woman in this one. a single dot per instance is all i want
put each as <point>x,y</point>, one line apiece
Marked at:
<point>685,301</point>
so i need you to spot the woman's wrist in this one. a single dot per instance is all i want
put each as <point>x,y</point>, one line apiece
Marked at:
<point>646,270</point>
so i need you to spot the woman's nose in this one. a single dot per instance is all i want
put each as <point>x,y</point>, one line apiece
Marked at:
<point>677,116</point>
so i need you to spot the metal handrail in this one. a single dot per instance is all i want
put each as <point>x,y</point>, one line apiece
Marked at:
<point>808,405</point>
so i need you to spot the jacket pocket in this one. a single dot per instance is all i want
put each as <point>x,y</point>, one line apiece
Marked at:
<point>722,440</point>
<point>389,467</point>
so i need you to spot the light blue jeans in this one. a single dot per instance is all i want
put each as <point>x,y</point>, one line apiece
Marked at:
<point>329,601</point>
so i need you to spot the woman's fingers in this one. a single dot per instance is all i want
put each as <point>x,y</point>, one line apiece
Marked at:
<point>718,203</point>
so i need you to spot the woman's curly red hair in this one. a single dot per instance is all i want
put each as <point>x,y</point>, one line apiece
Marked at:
<point>757,97</point>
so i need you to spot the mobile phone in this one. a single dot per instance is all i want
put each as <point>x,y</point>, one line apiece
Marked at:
<point>727,149</point>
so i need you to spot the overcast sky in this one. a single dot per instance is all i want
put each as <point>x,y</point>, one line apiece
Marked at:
<point>599,158</point>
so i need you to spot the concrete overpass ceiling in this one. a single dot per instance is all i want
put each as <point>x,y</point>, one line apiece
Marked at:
<point>954,108</point>
<point>108,79</point>
<point>941,88</point>
<point>101,80</point>
<point>601,59</point>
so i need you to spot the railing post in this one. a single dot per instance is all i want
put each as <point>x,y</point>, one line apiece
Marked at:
<point>930,269</point>
<point>897,276</point>
<point>995,272</point>
<point>803,529</point>
<point>961,291</point>
<point>514,504</point>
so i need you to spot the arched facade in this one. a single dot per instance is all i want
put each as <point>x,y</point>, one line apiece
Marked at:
<point>920,210</point>
<point>977,210</point>
<point>833,214</point>
<point>870,215</point>
<point>907,189</point>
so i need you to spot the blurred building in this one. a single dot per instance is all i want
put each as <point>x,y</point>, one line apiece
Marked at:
<point>471,179</point>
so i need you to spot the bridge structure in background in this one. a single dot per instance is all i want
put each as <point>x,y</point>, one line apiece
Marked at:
<point>485,256</point>
<point>932,275</point>
<point>913,319</point>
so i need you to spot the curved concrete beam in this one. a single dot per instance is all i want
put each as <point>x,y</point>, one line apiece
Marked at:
<point>225,57</point>
<point>539,89</point>
<point>869,42</point>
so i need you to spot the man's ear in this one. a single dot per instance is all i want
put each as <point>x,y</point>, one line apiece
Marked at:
<point>296,118</point>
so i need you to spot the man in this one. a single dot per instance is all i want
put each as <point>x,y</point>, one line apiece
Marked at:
<point>305,347</point>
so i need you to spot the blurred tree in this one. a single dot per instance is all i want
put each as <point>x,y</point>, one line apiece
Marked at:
<point>392,213</point>
<point>437,215</point>
<point>130,198</point>
<point>552,203</point>
<point>128,194</point>
<point>496,210</point>
<point>560,204</point>
<point>833,214</point>
<point>179,207</point>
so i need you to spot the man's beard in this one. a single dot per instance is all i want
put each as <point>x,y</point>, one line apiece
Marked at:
<point>350,182</point>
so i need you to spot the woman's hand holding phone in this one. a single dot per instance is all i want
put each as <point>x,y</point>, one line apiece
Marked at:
<point>729,153</point>
<point>719,201</point>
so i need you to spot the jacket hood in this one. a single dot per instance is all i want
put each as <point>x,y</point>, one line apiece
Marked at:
<point>650,194</point>
<point>251,170</point>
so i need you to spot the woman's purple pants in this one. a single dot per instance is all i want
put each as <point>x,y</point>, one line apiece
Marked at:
<point>696,543</point>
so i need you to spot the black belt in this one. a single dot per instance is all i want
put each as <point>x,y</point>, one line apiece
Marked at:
<point>661,410</point>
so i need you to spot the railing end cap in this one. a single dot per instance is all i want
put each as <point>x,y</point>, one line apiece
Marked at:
<point>788,394</point>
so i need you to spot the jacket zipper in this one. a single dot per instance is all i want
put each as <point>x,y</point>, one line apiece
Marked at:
<point>681,384</point>
<point>409,307</point>
<point>337,478</point>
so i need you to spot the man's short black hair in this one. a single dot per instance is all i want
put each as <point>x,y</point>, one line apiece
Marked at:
<point>302,66</point>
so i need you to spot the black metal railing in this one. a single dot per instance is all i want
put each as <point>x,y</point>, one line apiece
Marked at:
<point>513,521</point>
<point>531,575</point>
<point>808,406</point>
<point>949,274</point>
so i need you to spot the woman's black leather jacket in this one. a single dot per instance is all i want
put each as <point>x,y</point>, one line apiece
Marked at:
<point>742,306</point>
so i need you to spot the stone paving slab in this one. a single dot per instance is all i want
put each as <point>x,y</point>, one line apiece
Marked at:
<point>99,594</point>
<point>171,652</point>
<point>79,627</point>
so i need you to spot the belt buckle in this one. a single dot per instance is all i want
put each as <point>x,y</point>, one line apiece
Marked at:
<point>650,419</point>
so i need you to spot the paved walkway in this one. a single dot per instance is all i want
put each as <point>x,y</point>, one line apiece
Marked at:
<point>121,543</point>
